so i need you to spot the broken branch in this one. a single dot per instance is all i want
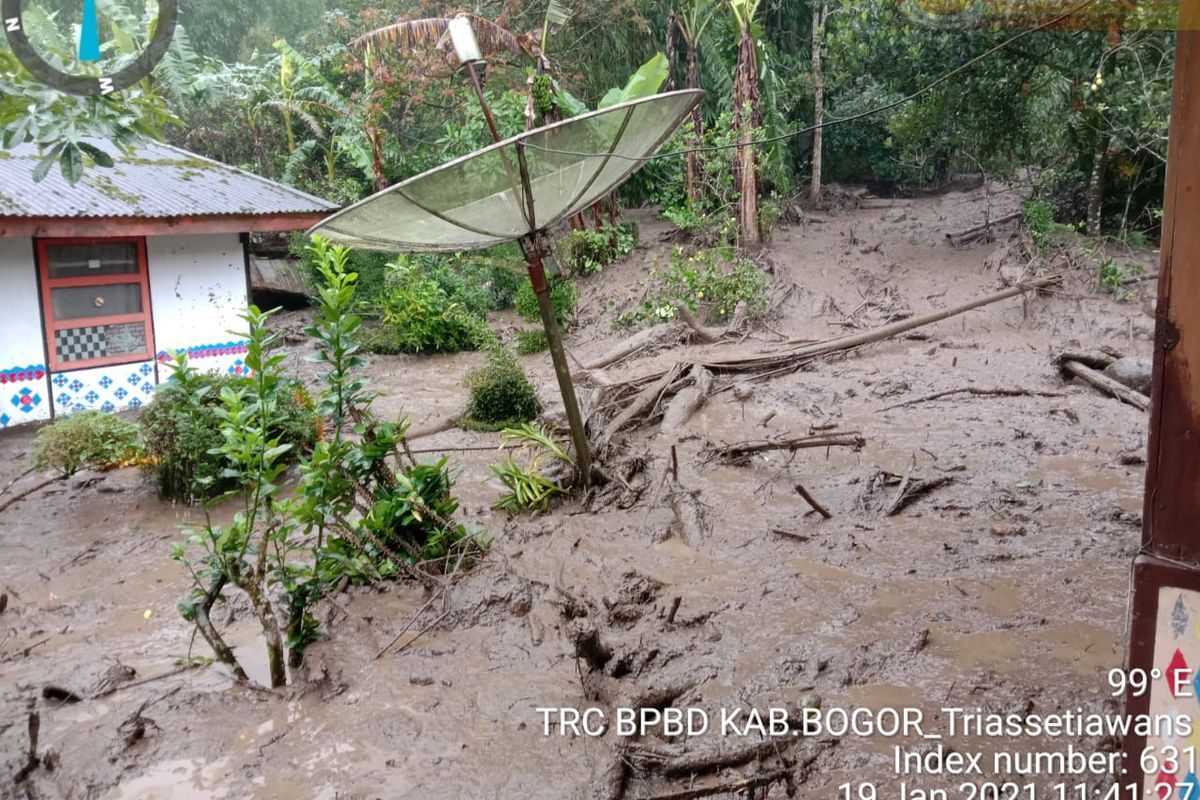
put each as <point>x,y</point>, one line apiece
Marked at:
<point>1107,384</point>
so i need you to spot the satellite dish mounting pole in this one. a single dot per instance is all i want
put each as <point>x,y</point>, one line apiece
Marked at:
<point>541,289</point>
<point>532,249</point>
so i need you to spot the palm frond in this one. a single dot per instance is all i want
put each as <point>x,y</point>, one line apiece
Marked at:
<point>295,110</point>
<point>416,34</point>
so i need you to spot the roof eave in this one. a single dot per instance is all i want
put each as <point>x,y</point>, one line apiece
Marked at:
<point>43,227</point>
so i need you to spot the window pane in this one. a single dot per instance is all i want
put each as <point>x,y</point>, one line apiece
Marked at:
<point>92,260</point>
<point>99,341</point>
<point>80,302</point>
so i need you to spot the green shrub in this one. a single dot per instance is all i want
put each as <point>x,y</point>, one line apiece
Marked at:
<point>1039,218</point>
<point>418,314</point>
<point>91,439</point>
<point>587,252</point>
<point>564,295</point>
<point>710,281</point>
<point>500,393</point>
<point>181,428</point>
<point>531,341</point>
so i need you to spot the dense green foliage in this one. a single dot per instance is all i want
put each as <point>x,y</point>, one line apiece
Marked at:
<point>531,341</point>
<point>296,92</point>
<point>587,252</point>
<point>712,282</point>
<point>419,315</point>
<point>85,439</point>
<point>500,393</point>
<point>182,433</point>
<point>564,296</point>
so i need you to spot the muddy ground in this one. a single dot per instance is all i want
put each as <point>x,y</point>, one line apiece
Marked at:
<point>1003,589</point>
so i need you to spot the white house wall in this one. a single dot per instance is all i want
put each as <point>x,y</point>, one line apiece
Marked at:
<point>24,388</point>
<point>197,291</point>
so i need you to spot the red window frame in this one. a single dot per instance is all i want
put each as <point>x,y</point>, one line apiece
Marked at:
<point>52,325</point>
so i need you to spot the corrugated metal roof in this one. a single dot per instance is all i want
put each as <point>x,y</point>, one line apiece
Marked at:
<point>155,181</point>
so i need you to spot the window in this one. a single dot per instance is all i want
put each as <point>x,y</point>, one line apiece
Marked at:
<point>96,300</point>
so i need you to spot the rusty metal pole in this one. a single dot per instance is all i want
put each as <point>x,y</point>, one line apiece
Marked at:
<point>562,372</point>
<point>1164,628</point>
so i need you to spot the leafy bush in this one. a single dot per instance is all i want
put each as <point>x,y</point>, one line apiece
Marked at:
<point>418,314</point>
<point>712,281</point>
<point>363,510</point>
<point>500,393</point>
<point>531,341</point>
<point>1039,219</point>
<point>181,429</point>
<point>91,439</point>
<point>564,295</point>
<point>587,252</point>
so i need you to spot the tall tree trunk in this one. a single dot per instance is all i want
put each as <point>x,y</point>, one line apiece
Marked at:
<point>1096,184</point>
<point>694,168</point>
<point>818,35</point>
<point>670,50</point>
<point>746,120</point>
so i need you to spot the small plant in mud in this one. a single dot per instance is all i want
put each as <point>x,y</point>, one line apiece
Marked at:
<point>85,439</point>
<point>712,281</point>
<point>529,488</point>
<point>1113,276</point>
<point>500,394</point>
<point>364,509</point>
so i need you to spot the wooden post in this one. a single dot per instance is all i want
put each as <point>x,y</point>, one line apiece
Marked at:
<point>1164,630</point>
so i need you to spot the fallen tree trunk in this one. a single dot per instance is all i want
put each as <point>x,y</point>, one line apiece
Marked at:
<point>639,341</point>
<point>958,238</point>
<point>636,401</point>
<point>903,326</point>
<point>741,451</point>
<point>1107,384</point>
<point>687,401</point>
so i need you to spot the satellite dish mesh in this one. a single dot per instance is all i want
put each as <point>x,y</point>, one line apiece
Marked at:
<point>515,187</point>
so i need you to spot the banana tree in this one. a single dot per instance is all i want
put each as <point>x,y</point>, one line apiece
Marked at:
<point>747,119</point>
<point>692,20</point>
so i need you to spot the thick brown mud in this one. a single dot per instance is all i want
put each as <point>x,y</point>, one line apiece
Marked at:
<point>1003,589</point>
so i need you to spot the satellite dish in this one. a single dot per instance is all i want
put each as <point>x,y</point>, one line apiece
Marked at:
<point>514,190</point>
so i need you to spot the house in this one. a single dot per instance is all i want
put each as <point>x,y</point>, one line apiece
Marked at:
<point>102,281</point>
